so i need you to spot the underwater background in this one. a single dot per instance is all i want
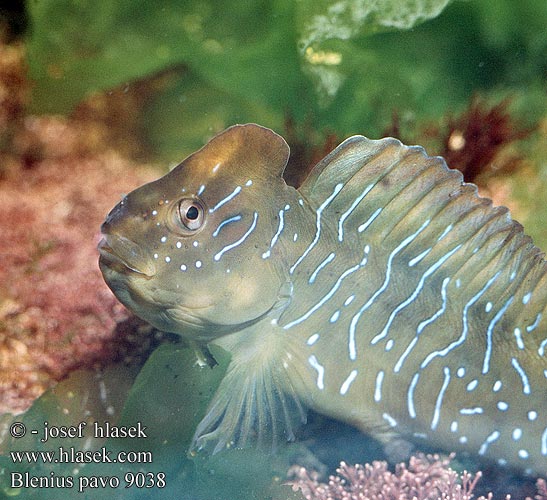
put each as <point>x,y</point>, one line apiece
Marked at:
<point>99,97</point>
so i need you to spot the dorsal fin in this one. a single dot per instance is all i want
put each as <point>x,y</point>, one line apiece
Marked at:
<point>383,185</point>
<point>396,198</point>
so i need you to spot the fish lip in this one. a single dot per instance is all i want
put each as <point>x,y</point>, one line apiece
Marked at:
<point>122,254</point>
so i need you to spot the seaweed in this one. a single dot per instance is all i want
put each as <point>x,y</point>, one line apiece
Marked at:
<point>113,84</point>
<point>472,141</point>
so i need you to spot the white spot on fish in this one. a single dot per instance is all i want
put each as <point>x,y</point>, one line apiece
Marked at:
<point>312,360</point>
<point>518,337</point>
<point>345,386</point>
<point>389,419</point>
<point>490,439</point>
<point>156,256</point>
<point>523,454</point>
<point>215,168</point>
<point>370,220</point>
<point>195,243</point>
<point>472,385</point>
<point>497,386</point>
<point>541,348</point>
<point>249,183</point>
<point>183,267</point>
<point>454,426</point>
<point>179,244</point>
<point>533,326</point>
<point>167,259</point>
<point>295,237</point>
<point>349,300</point>
<point>445,232</point>
<point>389,345</point>
<point>462,439</point>
<point>364,260</point>
<point>532,415</point>
<point>488,307</point>
<point>198,263</point>
<point>201,189</point>
<point>378,387</point>
<point>477,410</point>
<point>517,434</point>
<point>502,406</point>
<point>418,258</point>
<point>163,239</point>
<point>544,442</point>
<point>461,372</point>
<point>313,339</point>
<point>154,212</point>
<point>334,317</point>
<point>526,298</point>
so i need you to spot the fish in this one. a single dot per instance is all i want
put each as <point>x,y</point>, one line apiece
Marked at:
<point>384,292</point>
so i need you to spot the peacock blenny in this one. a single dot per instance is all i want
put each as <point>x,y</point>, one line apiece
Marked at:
<point>384,292</point>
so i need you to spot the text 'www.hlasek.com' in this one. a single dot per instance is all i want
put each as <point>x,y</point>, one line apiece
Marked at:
<point>28,461</point>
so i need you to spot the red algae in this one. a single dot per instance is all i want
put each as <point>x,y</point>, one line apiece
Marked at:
<point>58,180</point>
<point>425,477</point>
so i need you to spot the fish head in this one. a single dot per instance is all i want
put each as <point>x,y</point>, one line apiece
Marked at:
<point>185,252</point>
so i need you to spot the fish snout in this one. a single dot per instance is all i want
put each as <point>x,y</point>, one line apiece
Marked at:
<point>119,252</point>
<point>119,212</point>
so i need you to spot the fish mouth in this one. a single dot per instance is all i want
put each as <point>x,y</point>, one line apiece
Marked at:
<point>123,255</point>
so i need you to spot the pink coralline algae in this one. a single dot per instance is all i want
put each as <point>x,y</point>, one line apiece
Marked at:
<point>57,182</point>
<point>426,477</point>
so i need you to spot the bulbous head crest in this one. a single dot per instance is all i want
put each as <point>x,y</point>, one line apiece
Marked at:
<point>185,252</point>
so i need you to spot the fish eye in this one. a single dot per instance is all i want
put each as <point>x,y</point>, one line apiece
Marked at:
<point>191,214</point>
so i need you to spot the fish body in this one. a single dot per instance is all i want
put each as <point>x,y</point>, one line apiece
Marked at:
<point>382,292</point>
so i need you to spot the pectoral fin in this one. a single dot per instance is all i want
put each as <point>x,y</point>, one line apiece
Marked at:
<point>255,403</point>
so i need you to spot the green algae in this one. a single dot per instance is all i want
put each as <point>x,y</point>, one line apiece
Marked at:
<point>168,398</point>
